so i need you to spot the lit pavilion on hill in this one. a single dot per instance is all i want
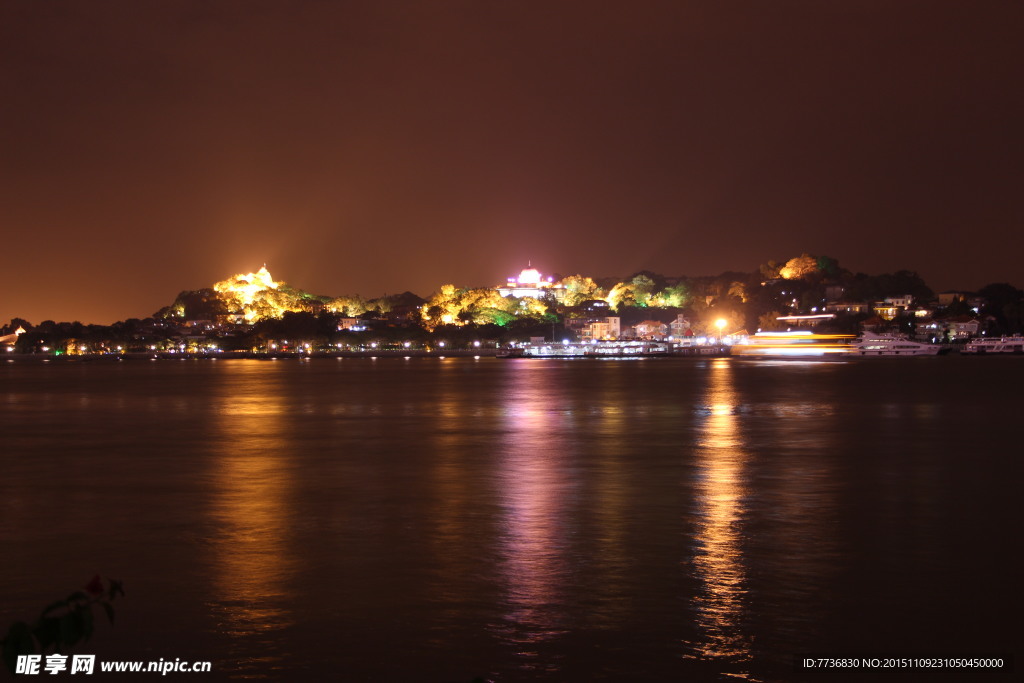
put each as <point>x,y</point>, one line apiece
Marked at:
<point>531,283</point>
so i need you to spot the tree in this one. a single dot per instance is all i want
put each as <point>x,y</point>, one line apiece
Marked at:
<point>657,280</point>
<point>1006,303</point>
<point>348,306</point>
<point>768,322</point>
<point>799,267</point>
<point>738,290</point>
<point>442,308</point>
<point>877,287</point>
<point>198,304</point>
<point>534,308</point>
<point>579,289</point>
<point>483,306</point>
<point>675,296</point>
<point>621,295</point>
<point>13,326</point>
<point>997,295</point>
<point>643,286</point>
<point>770,270</point>
<point>829,266</point>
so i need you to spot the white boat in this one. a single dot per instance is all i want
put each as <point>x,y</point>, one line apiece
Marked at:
<point>1001,345</point>
<point>592,349</point>
<point>877,344</point>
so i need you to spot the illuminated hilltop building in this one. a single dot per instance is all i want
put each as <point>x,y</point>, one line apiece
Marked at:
<point>246,286</point>
<point>531,283</point>
<point>257,296</point>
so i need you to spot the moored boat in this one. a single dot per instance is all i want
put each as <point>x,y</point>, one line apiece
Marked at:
<point>879,344</point>
<point>993,345</point>
<point>619,348</point>
<point>593,349</point>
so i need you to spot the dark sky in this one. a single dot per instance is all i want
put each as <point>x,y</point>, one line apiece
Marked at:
<point>374,147</point>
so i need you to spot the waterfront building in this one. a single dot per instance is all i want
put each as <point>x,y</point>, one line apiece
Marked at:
<point>680,327</point>
<point>852,307</point>
<point>800,321</point>
<point>353,324</point>
<point>961,326</point>
<point>873,324</point>
<point>605,328</point>
<point>904,301</point>
<point>929,330</point>
<point>892,306</point>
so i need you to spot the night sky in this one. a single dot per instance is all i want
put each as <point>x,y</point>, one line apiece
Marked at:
<point>374,147</point>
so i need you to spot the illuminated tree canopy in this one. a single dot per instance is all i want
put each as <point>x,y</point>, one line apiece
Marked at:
<point>579,288</point>
<point>453,306</point>
<point>799,267</point>
<point>349,306</point>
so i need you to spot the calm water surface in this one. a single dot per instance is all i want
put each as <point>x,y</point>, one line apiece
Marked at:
<point>521,520</point>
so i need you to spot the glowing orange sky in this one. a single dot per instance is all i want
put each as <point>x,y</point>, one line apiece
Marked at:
<point>368,147</point>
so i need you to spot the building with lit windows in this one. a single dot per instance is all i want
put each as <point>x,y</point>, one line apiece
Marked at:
<point>605,328</point>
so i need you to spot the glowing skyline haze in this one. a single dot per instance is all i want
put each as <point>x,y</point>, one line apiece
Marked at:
<point>371,148</point>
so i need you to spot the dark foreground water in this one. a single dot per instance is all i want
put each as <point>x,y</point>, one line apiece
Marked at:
<point>519,520</point>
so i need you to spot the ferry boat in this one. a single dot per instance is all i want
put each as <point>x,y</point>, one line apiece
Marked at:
<point>877,344</point>
<point>1001,345</point>
<point>795,344</point>
<point>621,348</point>
<point>596,349</point>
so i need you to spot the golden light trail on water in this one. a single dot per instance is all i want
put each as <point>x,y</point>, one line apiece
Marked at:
<point>252,566</point>
<point>718,560</point>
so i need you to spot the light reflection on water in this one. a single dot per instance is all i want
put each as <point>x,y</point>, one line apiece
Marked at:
<point>252,565</point>
<point>534,489</point>
<point>455,553</point>
<point>534,520</point>
<point>614,496</point>
<point>718,497</point>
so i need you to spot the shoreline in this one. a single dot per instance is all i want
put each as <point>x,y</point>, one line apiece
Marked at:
<point>696,352</point>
